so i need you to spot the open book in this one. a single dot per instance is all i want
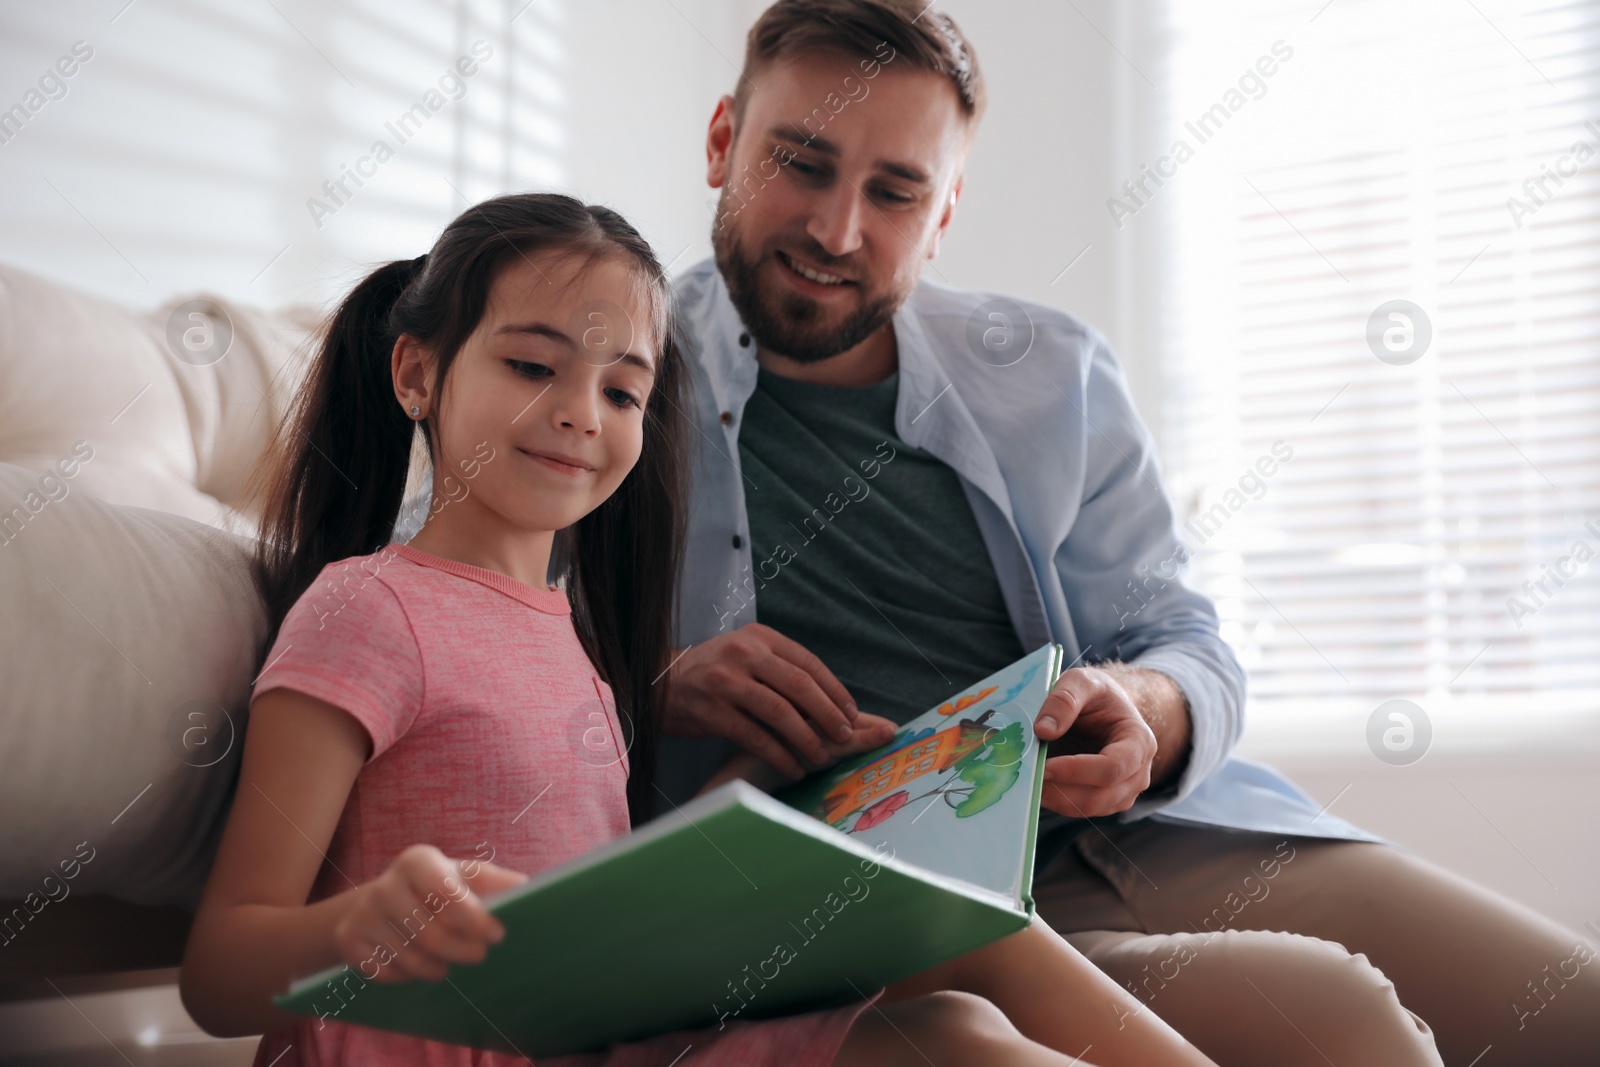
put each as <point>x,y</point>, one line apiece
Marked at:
<point>740,905</point>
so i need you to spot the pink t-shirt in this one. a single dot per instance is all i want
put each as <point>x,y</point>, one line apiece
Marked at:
<point>493,738</point>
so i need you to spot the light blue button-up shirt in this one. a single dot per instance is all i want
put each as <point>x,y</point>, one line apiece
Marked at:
<point>1062,478</point>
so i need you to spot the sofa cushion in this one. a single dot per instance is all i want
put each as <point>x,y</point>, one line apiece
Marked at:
<point>128,646</point>
<point>177,403</point>
<point>233,399</point>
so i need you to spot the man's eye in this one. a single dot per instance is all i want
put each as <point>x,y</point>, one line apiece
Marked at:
<point>893,197</point>
<point>528,370</point>
<point>805,169</point>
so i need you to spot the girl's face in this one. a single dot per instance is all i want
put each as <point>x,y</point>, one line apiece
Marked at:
<point>544,414</point>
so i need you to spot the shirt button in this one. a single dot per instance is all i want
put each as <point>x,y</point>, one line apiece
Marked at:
<point>737,541</point>
<point>744,340</point>
<point>727,418</point>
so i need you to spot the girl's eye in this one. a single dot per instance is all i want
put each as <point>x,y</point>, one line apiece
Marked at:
<point>620,397</point>
<point>528,370</point>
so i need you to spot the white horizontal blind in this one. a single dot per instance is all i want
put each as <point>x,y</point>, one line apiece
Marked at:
<point>235,147</point>
<point>1387,556</point>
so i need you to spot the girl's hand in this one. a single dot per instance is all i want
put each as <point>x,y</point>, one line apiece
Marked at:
<point>869,732</point>
<point>420,915</point>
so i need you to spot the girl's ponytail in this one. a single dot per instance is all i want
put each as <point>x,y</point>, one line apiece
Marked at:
<point>338,464</point>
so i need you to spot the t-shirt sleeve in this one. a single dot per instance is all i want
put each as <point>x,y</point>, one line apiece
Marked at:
<point>347,641</point>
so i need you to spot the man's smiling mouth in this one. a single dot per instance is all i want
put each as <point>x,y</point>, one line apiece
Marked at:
<point>811,274</point>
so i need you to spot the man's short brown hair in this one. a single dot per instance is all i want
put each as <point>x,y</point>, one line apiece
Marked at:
<point>921,39</point>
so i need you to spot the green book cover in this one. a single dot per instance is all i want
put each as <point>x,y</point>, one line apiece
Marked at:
<point>739,905</point>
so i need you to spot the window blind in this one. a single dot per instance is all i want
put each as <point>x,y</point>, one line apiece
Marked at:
<point>1386,507</point>
<point>268,152</point>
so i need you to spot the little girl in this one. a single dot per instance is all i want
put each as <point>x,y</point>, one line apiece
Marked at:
<point>434,722</point>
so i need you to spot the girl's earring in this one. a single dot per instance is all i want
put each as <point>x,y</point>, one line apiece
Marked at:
<point>415,411</point>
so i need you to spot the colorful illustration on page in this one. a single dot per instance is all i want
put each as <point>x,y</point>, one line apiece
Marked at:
<point>968,765</point>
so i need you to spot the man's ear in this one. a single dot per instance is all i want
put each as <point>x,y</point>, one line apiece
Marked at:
<point>946,216</point>
<point>719,143</point>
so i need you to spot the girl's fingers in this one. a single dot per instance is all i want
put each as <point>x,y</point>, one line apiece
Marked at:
<point>487,879</point>
<point>422,915</point>
<point>371,950</point>
<point>464,921</point>
<point>484,880</point>
<point>404,967</point>
<point>417,952</point>
<point>455,904</point>
<point>440,946</point>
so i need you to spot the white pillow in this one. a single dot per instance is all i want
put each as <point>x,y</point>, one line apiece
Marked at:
<point>175,425</point>
<point>128,644</point>
<point>234,401</point>
<point>75,367</point>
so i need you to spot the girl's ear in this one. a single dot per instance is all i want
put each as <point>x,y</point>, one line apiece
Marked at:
<point>412,368</point>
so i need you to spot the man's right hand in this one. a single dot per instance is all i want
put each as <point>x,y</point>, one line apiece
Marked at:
<point>765,693</point>
<point>871,731</point>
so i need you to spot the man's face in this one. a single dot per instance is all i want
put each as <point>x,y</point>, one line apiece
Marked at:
<point>834,191</point>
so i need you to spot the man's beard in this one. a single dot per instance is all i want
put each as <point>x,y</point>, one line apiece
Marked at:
<point>791,324</point>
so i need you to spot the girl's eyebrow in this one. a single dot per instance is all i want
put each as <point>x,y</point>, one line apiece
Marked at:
<point>541,329</point>
<point>538,329</point>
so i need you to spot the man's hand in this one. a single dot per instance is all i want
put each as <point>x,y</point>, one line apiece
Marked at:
<point>1125,728</point>
<point>870,732</point>
<point>762,691</point>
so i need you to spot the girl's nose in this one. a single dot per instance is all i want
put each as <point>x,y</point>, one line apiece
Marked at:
<point>577,407</point>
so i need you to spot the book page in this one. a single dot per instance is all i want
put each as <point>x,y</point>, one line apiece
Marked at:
<point>952,791</point>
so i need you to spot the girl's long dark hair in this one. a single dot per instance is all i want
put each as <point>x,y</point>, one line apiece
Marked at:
<point>346,429</point>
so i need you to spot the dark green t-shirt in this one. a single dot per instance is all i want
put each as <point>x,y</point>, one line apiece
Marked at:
<point>865,550</point>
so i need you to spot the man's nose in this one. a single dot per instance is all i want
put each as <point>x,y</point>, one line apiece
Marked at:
<point>836,219</point>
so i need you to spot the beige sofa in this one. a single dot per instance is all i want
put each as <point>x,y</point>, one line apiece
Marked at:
<point>131,629</point>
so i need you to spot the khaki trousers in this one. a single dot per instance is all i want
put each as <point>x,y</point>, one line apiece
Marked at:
<point>1271,950</point>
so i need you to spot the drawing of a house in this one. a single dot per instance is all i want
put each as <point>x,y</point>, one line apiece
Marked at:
<point>931,755</point>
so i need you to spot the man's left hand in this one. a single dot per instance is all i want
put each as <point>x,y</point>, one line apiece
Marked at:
<point>1113,747</point>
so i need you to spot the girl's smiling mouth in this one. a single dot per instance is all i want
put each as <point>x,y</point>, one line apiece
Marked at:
<point>558,461</point>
